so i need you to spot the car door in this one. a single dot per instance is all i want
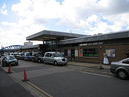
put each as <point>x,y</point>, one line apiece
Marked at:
<point>51,59</point>
<point>125,63</point>
<point>46,58</point>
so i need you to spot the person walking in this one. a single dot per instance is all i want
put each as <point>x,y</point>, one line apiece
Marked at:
<point>105,59</point>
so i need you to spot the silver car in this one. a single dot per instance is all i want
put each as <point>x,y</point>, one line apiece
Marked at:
<point>55,58</point>
<point>9,60</point>
<point>121,68</point>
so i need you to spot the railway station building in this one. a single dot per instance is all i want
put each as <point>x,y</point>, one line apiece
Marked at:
<point>85,48</point>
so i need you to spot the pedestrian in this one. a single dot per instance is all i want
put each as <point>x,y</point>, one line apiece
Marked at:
<point>105,59</point>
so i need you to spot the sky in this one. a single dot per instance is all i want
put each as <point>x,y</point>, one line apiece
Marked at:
<point>21,18</point>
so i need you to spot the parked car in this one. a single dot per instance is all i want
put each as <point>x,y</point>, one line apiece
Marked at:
<point>28,56</point>
<point>55,58</point>
<point>20,56</point>
<point>1,58</point>
<point>120,68</point>
<point>9,60</point>
<point>37,57</point>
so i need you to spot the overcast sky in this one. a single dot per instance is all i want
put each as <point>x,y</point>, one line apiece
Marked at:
<point>20,18</point>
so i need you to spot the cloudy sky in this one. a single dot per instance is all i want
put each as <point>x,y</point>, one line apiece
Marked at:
<point>20,18</point>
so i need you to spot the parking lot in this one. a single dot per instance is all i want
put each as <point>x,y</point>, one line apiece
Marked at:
<point>70,80</point>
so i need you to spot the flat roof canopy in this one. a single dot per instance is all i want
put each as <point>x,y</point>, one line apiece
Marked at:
<point>117,35</point>
<point>52,35</point>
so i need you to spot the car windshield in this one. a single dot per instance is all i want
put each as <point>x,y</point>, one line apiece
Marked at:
<point>28,54</point>
<point>11,57</point>
<point>58,55</point>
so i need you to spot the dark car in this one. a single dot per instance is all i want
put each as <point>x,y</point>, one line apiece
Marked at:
<point>20,56</point>
<point>120,68</point>
<point>28,56</point>
<point>9,60</point>
<point>37,57</point>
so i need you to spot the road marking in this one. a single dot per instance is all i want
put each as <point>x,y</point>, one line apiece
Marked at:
<point>40,90</point>
<point>34,91</point>
<point>97,74</point>
<point>31,87</point>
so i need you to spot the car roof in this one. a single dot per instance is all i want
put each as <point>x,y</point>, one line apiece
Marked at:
<point>52,52</point>
<point>9,56</point>
<point>125,59</point>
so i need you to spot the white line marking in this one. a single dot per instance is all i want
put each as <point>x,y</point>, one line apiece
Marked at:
<point>98,74</point>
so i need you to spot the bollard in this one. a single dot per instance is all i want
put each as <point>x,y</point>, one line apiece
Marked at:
<point>9,69</point>
<point>25,76</point>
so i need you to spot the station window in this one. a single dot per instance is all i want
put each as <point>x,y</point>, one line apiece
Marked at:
<point>110,52</point>
<point>72,52</point>
<point>90,52</point>
<point>65,52</point>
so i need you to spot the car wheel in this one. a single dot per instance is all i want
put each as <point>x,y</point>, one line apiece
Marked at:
<point>122,74</point>
<point>42,61</point>
<point>55,63</point>
<point>39,61</point>
<point>16,64</point>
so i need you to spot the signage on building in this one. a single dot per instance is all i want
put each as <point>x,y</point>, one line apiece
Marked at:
<point>94,43</point>
<point>80,52</point>
<point>110,52</point>
<point>76,53</point>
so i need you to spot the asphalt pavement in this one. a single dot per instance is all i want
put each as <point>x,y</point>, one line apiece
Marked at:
<point>71,81</point>
<point>78,84</point>
<point>9,88</point>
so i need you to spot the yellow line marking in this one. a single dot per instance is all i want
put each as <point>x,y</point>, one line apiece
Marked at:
<point>40,90</point>
<point>31,84</point>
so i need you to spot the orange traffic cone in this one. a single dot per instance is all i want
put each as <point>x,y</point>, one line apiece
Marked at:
<point>9,69</point>
<point>25,76</point>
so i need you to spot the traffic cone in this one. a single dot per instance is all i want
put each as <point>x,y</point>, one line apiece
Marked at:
<point>9,69</point>
<point>25,76</point>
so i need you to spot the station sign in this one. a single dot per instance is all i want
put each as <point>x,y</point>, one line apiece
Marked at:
<point>94,43</point>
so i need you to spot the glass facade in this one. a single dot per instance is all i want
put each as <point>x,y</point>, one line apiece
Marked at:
<point>90,52</point>
<point>72,52</point>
